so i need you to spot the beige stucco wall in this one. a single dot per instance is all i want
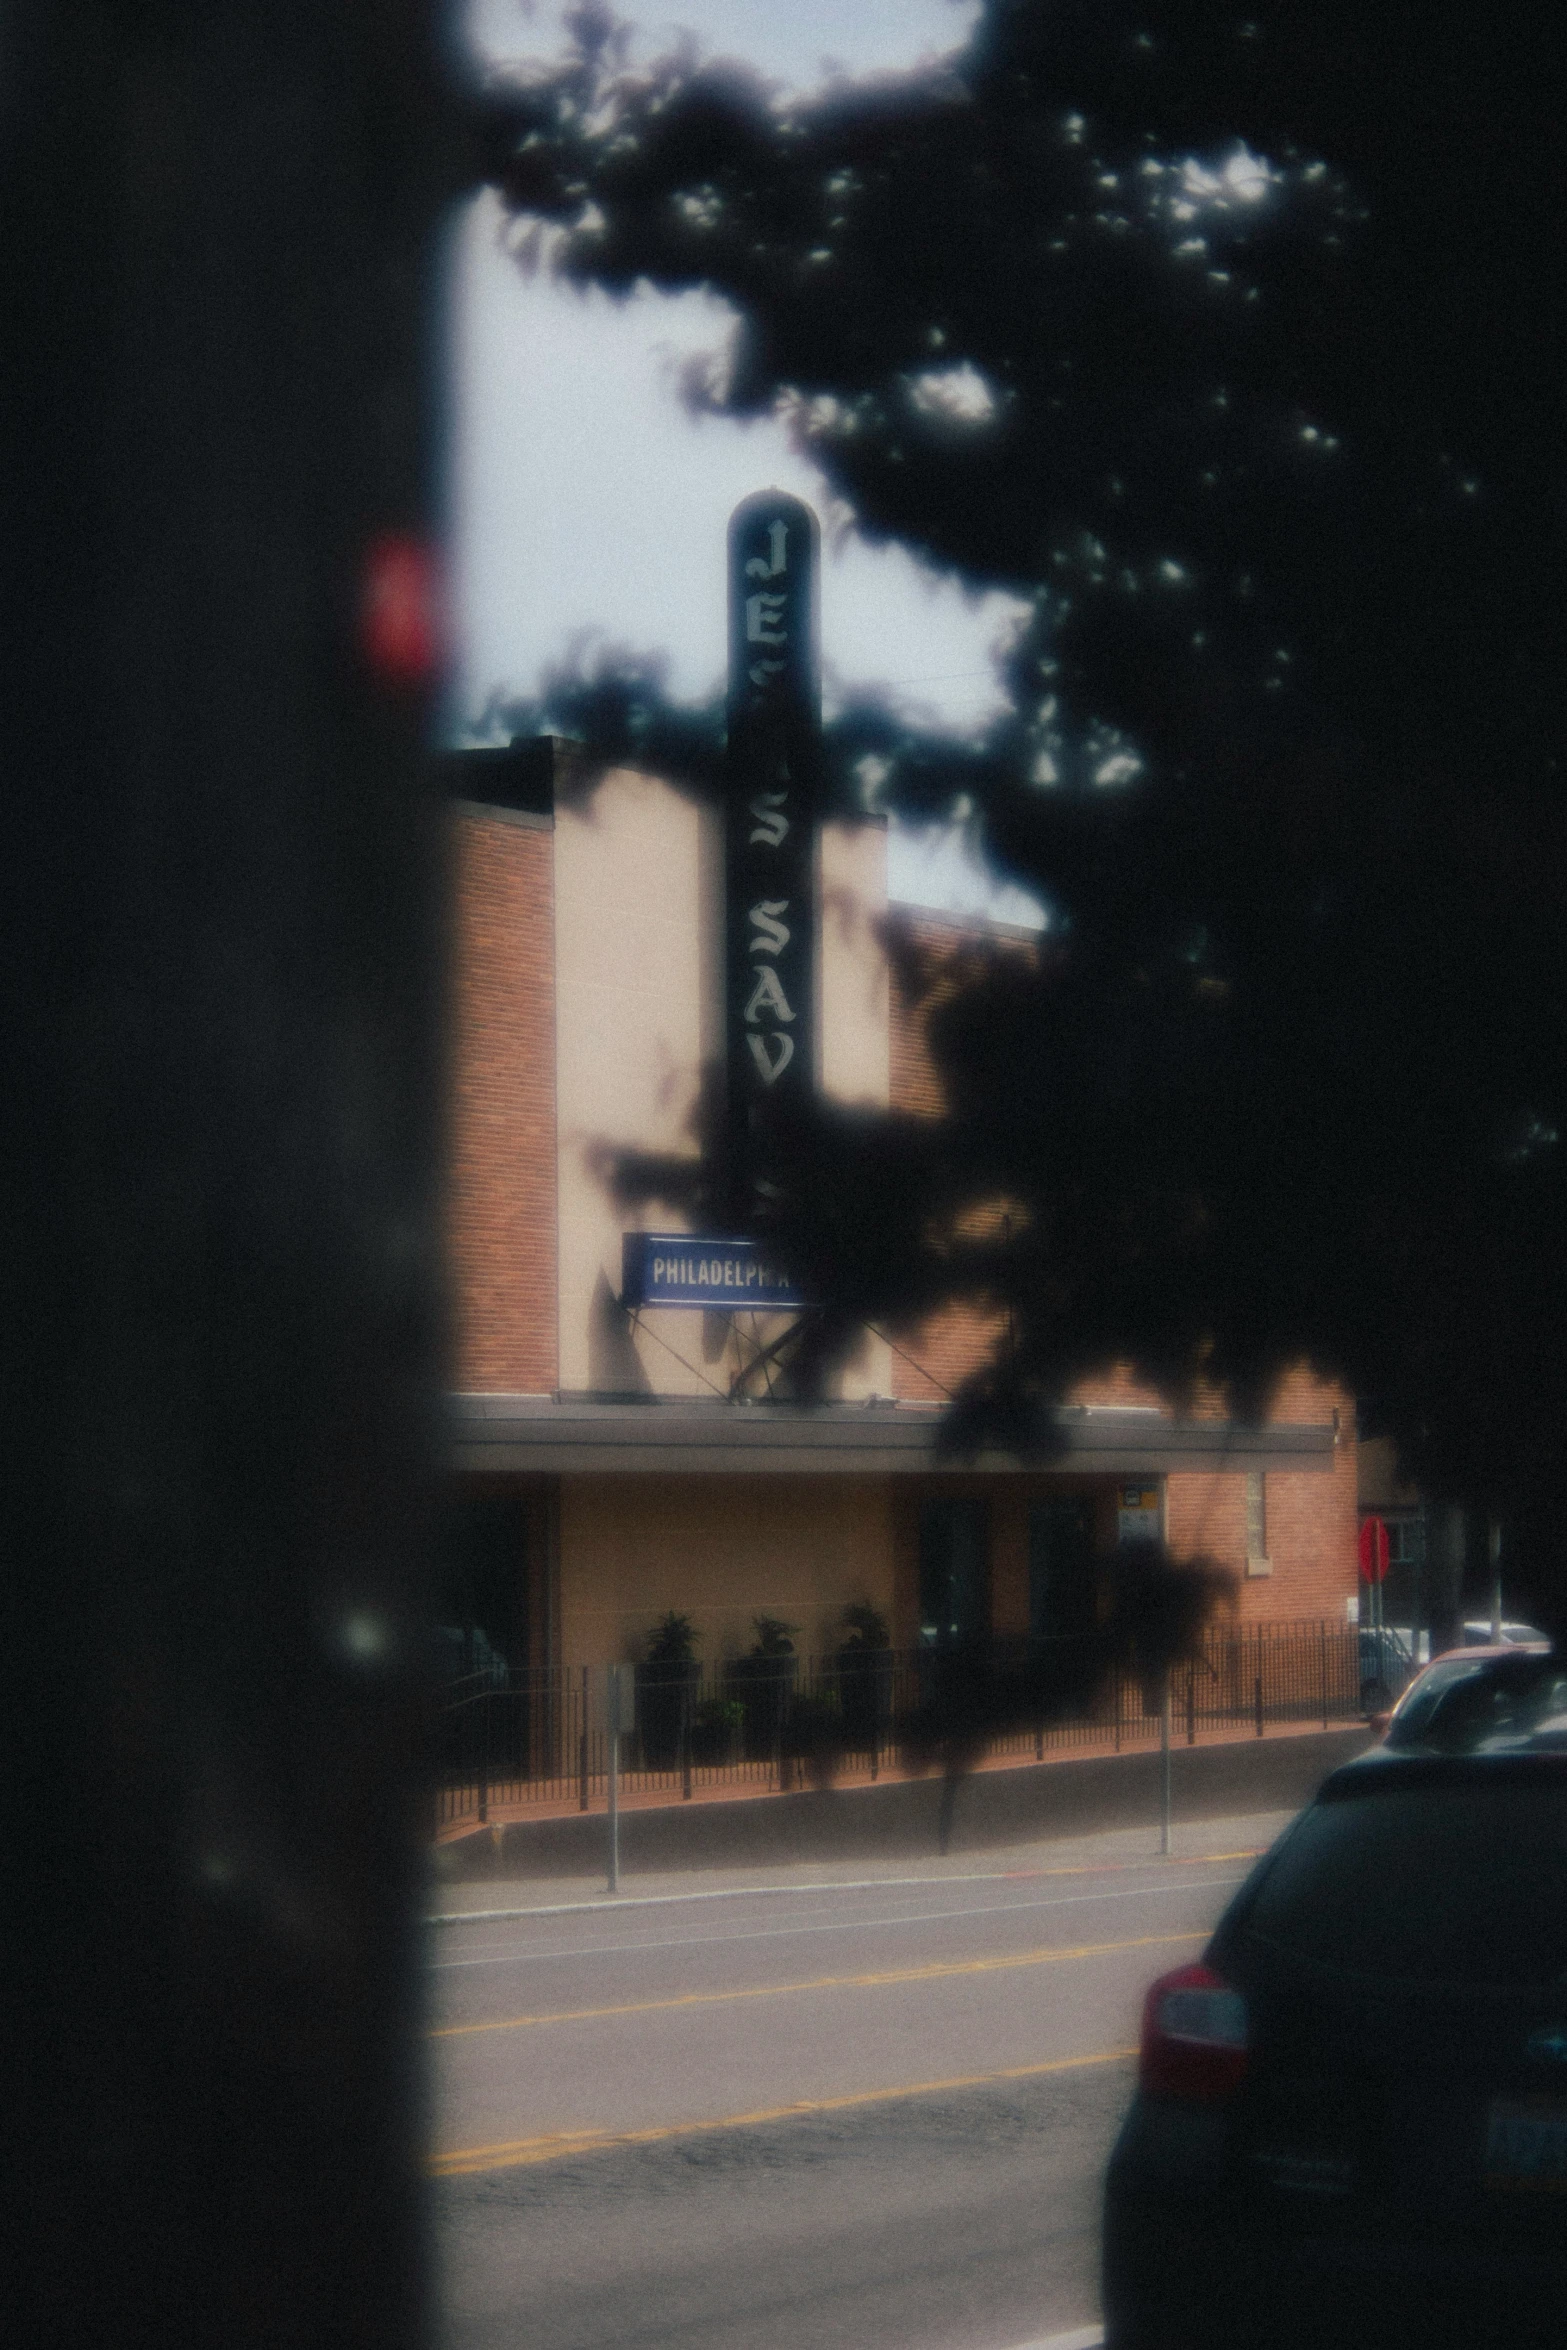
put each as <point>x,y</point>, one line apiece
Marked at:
<point>854,1035</point>
<point>638,944</point>
<point>854,1045</point>
<point>637,879</point>
<point>720,1550</point>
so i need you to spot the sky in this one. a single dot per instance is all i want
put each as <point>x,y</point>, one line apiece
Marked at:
<point>585,503</point>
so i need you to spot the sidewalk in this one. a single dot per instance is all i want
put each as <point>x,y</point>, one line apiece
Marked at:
<point>1198,1844</point>
<point>1007,1801</point>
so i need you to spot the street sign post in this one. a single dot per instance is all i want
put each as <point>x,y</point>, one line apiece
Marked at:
<point>1373,1573</point>
<point>620,1713</point>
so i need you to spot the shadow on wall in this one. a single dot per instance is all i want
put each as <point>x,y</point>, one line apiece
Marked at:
<point>614,1366</point>
<point>717,1331</point>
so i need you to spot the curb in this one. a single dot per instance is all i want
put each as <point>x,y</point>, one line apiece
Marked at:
<point>1038,1800</point>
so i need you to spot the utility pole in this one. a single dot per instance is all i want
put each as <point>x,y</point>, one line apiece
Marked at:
<point>619,1715</point>
<point>1445,1575</point>
<point>220,923</point>
<point>1496,1581</point>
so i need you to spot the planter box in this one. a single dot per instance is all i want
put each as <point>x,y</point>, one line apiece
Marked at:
<point>864,1679</point>
<point>764,1685</point>
<point>666,1696</point>
<point>715,1739</point>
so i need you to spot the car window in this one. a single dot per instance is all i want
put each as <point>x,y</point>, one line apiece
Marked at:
<point>1494,1705</point>
<point>1433,1884</point>
<point>1459,1705</point>
<point>1420,1701</point>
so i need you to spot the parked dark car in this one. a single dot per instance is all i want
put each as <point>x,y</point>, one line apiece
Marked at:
<point>1470,1695</point>
<point>1476,1633</point>
<point>1350,2128</point>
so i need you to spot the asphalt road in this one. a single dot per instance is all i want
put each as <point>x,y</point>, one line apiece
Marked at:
<point>837,2112</point>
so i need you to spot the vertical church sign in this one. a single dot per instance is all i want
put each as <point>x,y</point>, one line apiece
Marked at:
<point>774,720</point>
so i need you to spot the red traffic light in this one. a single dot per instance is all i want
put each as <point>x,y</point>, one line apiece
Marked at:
<point>399,613</point>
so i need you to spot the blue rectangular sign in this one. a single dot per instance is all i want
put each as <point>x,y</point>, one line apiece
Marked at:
<point>687,1269</point>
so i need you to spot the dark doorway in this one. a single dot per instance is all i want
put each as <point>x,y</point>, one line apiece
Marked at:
<point>954,1573</point>
<point>1060,1569</point>
<point>482,1603</point>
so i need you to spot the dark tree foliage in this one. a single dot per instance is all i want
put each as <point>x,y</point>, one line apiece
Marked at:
<point>1230,338</point>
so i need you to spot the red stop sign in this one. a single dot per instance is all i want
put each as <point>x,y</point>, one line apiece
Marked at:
<point>1373,1549</point>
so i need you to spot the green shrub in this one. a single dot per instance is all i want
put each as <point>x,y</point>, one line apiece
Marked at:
<point>672,1641</point>
<point>773,1636</point>
<point>865,1626</point>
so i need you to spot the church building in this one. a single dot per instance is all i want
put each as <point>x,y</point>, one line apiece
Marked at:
<point>620,1444</point>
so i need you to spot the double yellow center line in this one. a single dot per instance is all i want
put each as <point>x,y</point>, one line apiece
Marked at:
<point>933,1972</point>
<point>513,2153</point>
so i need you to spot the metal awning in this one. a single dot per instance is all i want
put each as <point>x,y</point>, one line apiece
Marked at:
<point>683,1436</point>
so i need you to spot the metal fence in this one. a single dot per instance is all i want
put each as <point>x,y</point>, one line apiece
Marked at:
<point>784,1722</point>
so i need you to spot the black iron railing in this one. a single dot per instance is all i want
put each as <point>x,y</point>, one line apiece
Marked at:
<point>792,1721</point>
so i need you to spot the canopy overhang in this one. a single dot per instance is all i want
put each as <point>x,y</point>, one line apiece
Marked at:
<point>680,1436</point>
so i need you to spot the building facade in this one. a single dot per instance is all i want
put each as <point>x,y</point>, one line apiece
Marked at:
<point>617,1462</point>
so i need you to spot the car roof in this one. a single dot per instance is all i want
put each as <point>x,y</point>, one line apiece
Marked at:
<point>1510,1666</point>
<point>1511,1634</point>
<point>1476,1652</point>
<point>1513,1660</point>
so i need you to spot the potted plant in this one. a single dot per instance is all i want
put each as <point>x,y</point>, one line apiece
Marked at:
<point>666,1681</point>
<point>864,1677</point>
<point>763,1682</point>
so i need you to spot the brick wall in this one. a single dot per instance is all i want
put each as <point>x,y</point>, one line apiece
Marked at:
<point>933,957</point>
<point>501,1159</point>
<point>939,1353</point>
<point>922,949</point>
<point>1311,1516</point>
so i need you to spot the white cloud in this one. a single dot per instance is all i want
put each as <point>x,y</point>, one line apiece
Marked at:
<point>584,498</point>
<point>790,44</point>
<point>941,867</point>
<point>955,395</point>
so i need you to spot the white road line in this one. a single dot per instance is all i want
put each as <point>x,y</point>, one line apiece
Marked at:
<point>839,1925</point>
<point>1080,2338</point>
<point>608,1906</point>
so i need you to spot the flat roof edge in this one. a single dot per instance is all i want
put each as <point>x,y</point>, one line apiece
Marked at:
<point>672,1438</point>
